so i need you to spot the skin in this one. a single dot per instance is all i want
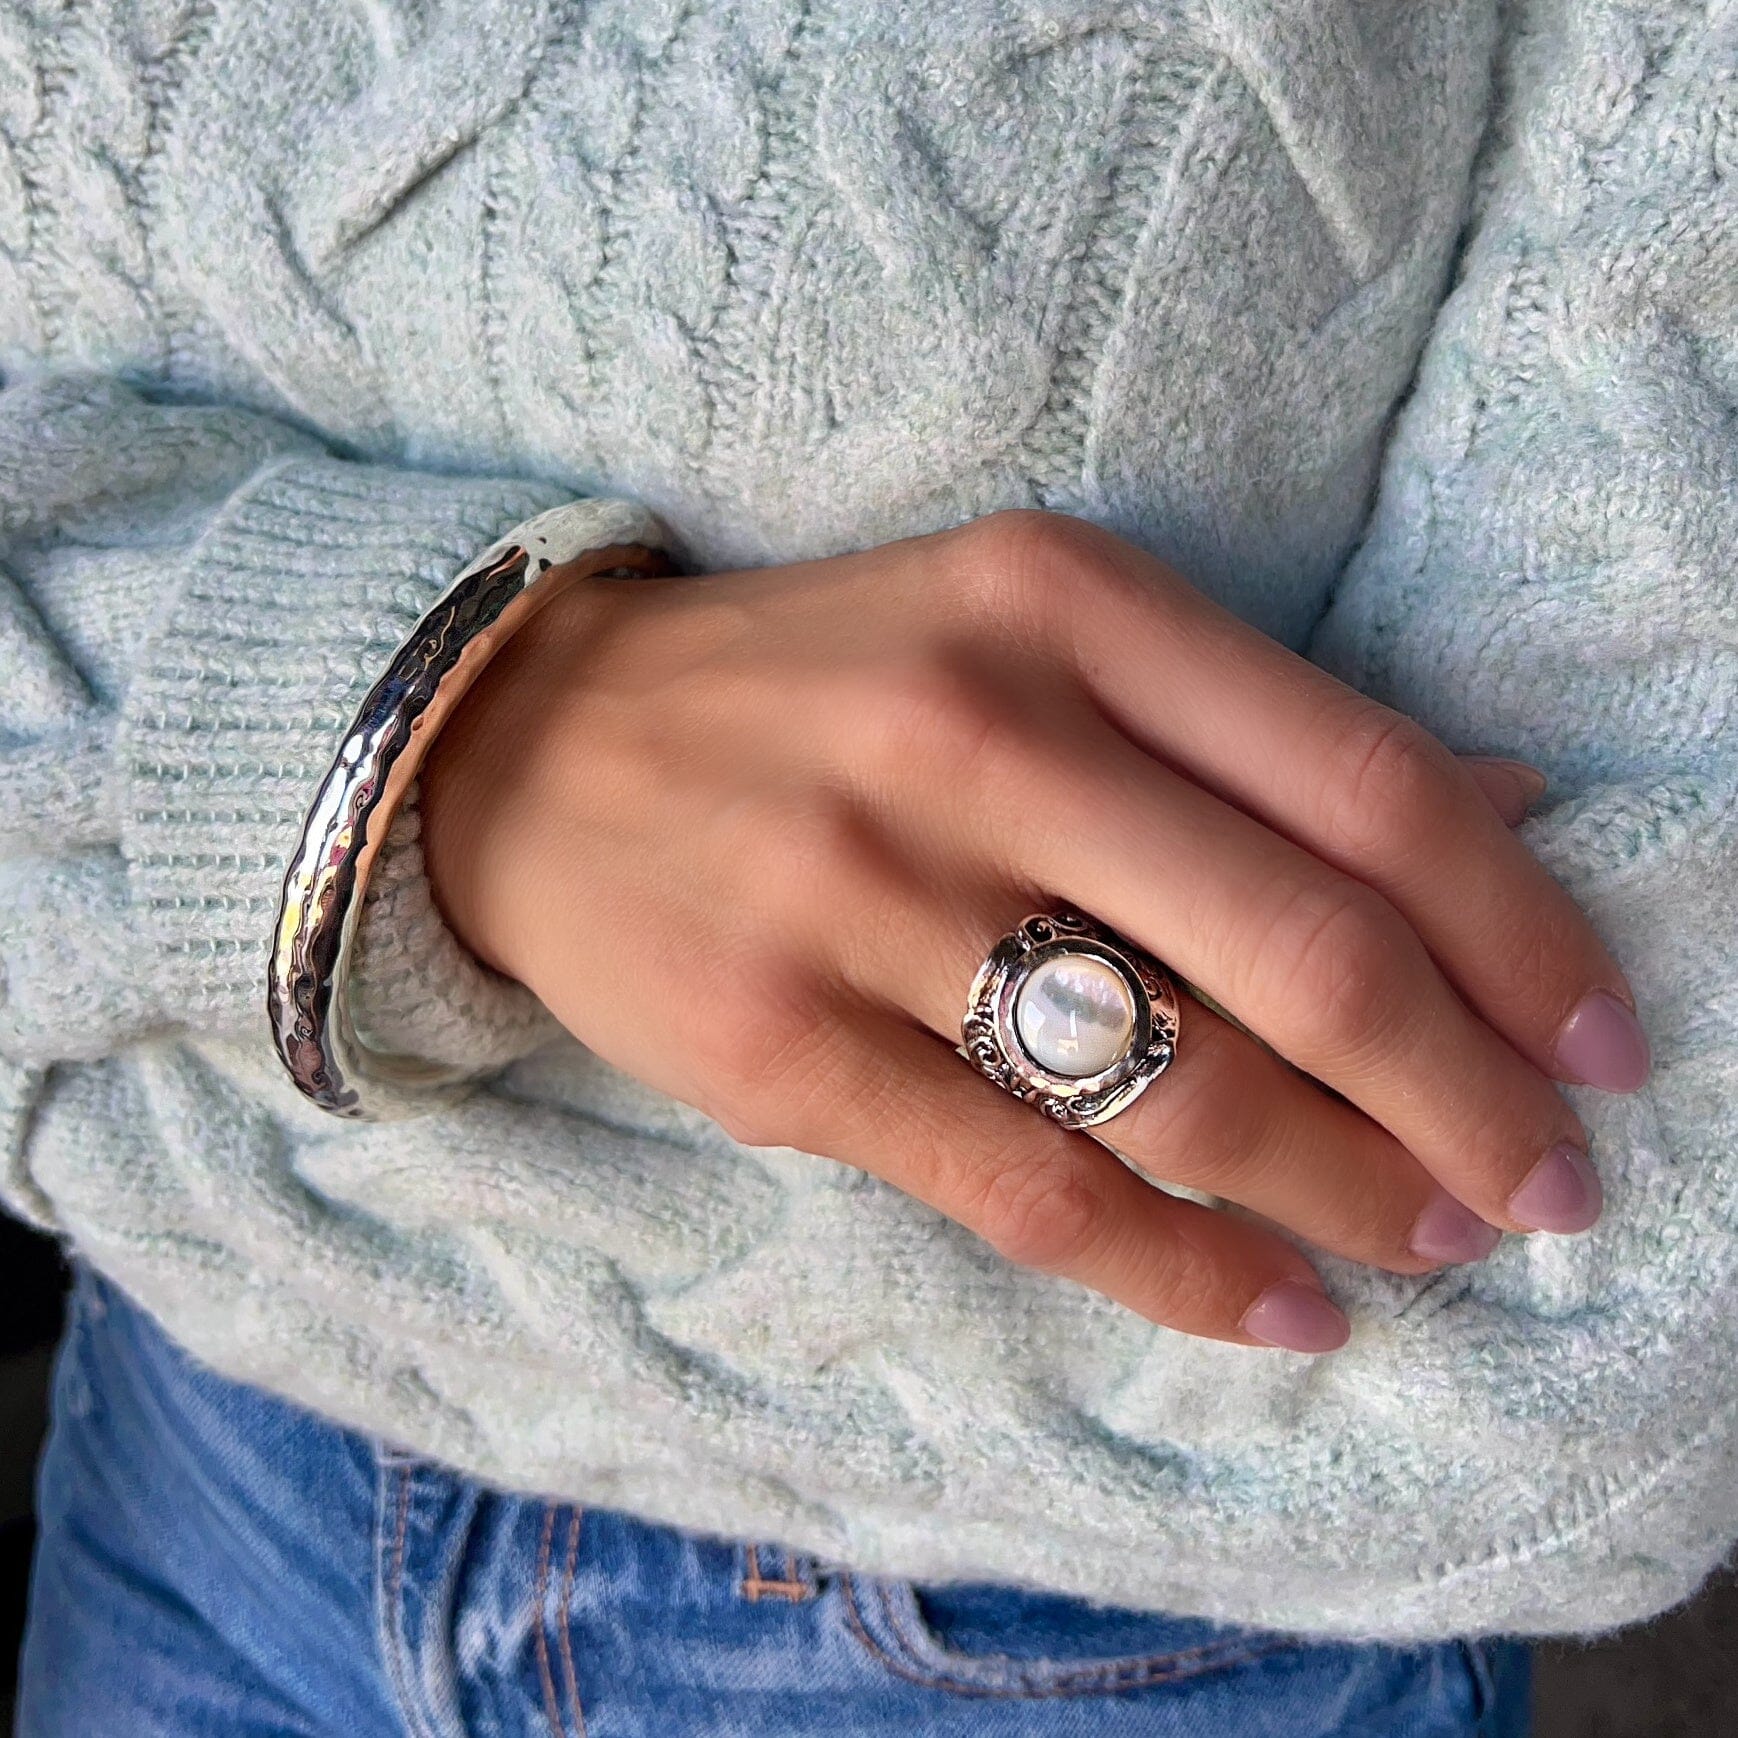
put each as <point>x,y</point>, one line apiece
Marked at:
<point>749,835</point>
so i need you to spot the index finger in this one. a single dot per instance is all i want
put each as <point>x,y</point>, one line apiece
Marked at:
<point>1358,784</point>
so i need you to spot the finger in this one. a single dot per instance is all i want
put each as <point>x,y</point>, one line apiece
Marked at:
<point>1511,787</point>
<point>1227,1117</point>
<point>894,1100</point>
<point>1361,786</point>
<point>1316,963</point>
<point>1240,1124</point>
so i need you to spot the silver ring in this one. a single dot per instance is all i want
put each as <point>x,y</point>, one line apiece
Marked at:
<point>1070,1017</point>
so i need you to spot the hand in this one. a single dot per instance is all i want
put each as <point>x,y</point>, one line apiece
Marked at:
<point>749,835</point>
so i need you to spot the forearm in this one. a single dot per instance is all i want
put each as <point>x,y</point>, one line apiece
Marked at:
<point>194,601</point>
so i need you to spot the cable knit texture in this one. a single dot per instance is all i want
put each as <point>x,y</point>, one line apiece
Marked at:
<point>1407,330</point>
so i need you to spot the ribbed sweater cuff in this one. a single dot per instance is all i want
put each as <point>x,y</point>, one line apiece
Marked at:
<point>295,597</point>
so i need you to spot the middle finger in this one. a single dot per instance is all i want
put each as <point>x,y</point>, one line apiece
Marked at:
<point>1318,964</point>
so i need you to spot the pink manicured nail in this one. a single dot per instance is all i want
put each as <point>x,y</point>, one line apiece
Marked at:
<point>1562,1192</point>
<point>1448,1231</point>
<point>1602,1044</point>
<point>1297,1317</point>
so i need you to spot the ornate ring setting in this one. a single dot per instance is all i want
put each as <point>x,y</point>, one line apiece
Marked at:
<point>1071,1017</point>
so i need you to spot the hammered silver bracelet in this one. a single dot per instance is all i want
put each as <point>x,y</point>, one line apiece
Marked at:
<point>307,994</point>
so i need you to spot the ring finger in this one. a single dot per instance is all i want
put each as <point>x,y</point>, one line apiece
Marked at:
<point>1228,1117</point>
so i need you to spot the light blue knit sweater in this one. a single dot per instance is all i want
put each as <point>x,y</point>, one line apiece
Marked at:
<point>285,291</point>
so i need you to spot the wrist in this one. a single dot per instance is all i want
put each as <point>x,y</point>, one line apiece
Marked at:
<point>484,783</point>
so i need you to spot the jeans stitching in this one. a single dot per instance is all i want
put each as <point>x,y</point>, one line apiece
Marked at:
<point>566,1639</point>
<point>1230,1652</point>
<point>1145,1673</point>
<point>397,1665</point>
<point>754,1586</point>
<point>540,1628</point>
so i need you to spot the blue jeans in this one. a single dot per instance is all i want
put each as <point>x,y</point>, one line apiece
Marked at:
<point>214,1560</point>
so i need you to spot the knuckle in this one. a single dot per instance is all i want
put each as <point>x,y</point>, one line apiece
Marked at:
<point>1187,1284</point>
<point>757,1032</point>
<point>1020,561</point>
<point>1018,533</point>
<point>933,712</point>
<point>1394,785</point>
<point>808,850</point>
<point>1338,950</point>
<point>1534,960</point>
<point>941,725</point>
<point>1043,1212</point>
<point>1539,954</point>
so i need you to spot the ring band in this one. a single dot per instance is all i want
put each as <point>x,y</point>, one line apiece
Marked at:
<point>1071,1017</point>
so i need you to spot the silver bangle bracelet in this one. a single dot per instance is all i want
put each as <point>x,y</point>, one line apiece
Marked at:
<point>307,993</point>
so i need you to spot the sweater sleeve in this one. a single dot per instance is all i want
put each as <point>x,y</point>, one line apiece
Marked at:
<point>192,602</point>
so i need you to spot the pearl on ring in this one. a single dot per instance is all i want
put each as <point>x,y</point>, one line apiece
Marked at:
<point>1075,1015</point>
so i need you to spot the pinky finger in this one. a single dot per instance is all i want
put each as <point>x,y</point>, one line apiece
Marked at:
<point>1511,787</point>
<point>901,1103</point>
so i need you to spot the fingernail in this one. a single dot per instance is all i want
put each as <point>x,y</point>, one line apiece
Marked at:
<point>1297,1317</point>
<point>1562,1192</point>
<point>1448,1231</point>
<point>1522,786</point>
<point>1602,1044</point>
